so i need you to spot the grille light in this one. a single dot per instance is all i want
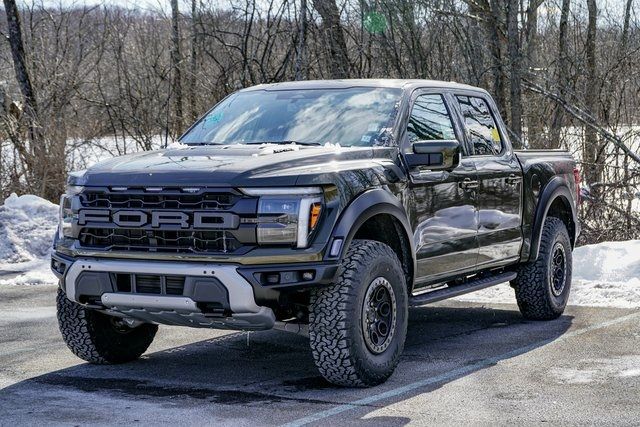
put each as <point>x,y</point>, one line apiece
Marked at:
<point>282,191</point>
<point>66,215</point>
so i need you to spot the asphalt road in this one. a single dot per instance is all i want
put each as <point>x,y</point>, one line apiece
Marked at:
<point>462,363</point>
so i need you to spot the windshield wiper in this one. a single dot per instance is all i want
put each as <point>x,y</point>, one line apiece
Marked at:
<point>281,142</point>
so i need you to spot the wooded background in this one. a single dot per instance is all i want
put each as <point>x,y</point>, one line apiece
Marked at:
<point>564,73</point>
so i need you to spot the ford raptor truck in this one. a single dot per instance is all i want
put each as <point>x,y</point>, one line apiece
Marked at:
<point>329,207</point>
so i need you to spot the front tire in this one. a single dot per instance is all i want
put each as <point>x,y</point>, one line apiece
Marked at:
<point>99,338</point>
<point>542,286</point>
<point>358,325</point>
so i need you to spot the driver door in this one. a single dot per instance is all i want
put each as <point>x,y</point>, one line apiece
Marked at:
<point>442,204</point>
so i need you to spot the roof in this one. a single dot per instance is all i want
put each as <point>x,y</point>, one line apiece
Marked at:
<point>340,84</point>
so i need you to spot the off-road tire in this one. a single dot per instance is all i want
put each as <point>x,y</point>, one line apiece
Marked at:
<point>533,285</point>
<point>96,338</point>
<point>336,330</point>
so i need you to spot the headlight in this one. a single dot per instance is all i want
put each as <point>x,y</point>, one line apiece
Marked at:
<point>287,215</point>
<point>66,214</point>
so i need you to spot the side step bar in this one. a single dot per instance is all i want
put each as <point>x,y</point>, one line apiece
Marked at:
<point>457,290</point>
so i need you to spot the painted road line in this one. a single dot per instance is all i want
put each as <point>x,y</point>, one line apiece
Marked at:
<point>452,375</point>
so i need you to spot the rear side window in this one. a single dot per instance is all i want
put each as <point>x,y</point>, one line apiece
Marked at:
<point>430,120</point>
<point>481,126</point>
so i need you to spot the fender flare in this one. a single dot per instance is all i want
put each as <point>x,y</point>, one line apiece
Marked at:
<point>366,206</point>
<point>556,188</point>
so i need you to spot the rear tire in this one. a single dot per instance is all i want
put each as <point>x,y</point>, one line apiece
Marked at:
<point>542,287</point>
<point>99,338</point>
<point>358,325</point>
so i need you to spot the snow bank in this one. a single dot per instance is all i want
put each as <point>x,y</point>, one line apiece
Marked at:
<point>607,274</point>
<point>604,275</point>
<point>27,226</point>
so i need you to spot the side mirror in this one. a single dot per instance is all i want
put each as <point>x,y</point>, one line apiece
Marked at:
<point>434,155</point>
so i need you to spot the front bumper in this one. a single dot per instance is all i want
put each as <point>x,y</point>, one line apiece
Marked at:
<point>91,281</point>
<point>243,295</point>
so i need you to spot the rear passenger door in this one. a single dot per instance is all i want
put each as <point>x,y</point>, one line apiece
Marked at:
<point>500,177</point>
<point>441,204</point>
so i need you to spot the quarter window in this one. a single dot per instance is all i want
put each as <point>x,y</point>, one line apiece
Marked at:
<point>430,120</point>
<point>481,126</point>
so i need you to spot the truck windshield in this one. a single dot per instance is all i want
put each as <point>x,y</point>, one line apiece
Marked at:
<point>349,117</point>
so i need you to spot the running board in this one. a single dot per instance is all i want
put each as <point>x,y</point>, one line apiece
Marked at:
<point>457,290</point>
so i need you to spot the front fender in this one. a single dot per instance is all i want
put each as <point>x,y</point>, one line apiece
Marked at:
<point>364,207</point>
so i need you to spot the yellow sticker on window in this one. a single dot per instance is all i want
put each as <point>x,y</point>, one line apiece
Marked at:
<point>495,135</point>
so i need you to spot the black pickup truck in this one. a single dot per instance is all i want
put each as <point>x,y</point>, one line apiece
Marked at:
<point>329,207</point>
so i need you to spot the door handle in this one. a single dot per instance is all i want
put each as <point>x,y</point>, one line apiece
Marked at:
<point>469,184</point>
<point>513,179</point>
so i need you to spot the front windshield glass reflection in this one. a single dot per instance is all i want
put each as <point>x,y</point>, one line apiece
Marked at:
<point>349,117</point>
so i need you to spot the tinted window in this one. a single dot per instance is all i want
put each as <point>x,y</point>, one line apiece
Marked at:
<point>358,116</point>
<point>430,120</point>
<point>482,128</point>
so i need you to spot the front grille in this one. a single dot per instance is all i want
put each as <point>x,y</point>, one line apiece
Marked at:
<point>209,238</point>
<point>170,200</point>
<point>149,284</point>
<point>174,285</point>
<point>159,240</point>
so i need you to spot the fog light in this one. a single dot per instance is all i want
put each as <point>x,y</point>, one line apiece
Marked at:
<point>58,266</point>
<point>273,278</point>
<point>308,275</point>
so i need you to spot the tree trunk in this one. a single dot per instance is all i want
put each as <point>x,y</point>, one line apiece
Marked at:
<point>193,110</point>
<point>176,59</point>
<point>45,172</point>
<point>493,24</point>
<point>301,57</point>
<point>534,120</point>
<point>334,34</point>
<point>515,75</point>
<point>614,80</point>
<point>590,149</point>
<point>476,43</point>
<point>21,71</point>
<point>562,76</point>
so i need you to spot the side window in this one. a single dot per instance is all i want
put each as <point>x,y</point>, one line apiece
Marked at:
<point>481,126</point>
<point>430,120</point>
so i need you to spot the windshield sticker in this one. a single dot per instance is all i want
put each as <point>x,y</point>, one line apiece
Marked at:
<point>373,127</point>
<point>214,118</point>
<point>365,138</point>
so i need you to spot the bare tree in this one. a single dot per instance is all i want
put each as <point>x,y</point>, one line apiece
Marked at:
<point>515,63</point>
<point>591,146</point>
<point>176,64</point>
<point>562,75</point>
<point>338,60</point>
<point>301,66</point>
<point>193,71</point>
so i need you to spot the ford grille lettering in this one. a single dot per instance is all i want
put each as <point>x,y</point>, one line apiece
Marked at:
<point>158,219</point>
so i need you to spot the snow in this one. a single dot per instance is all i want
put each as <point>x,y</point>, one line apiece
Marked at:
<point>606,274</point>
<point>597,370</point>
<point>268,148</point>
<point>27,227</point>
<point>22,314</point>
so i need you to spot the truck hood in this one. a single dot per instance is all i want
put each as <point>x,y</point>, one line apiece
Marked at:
<point>231,165</point>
